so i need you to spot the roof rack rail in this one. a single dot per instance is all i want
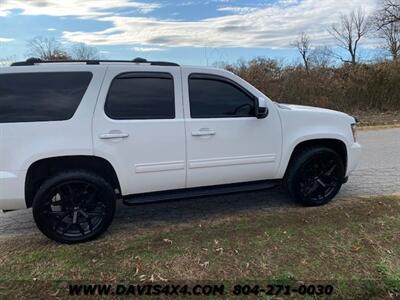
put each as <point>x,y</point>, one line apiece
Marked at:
<point>32,61</point>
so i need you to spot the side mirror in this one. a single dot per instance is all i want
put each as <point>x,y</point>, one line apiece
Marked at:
<point>261,108</point>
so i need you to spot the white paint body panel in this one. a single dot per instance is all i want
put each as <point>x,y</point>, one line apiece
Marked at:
<point>242,149</point>
<point>22,144</point>
<point>153,157</point>
<point>161,155</point>
<point>302,123</point>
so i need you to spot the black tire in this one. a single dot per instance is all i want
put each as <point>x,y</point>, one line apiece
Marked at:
<point>74,206</point>
<point>315,176</point>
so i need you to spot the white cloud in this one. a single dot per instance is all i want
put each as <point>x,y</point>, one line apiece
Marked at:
<point>51,29</point>
<point>273,26</point>
<point>78,8</point>
<point>5,40</point>
<point>289,2</point>
<point>238,9</point>
<point>147,49</point>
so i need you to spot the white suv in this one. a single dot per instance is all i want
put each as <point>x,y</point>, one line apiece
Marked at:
<point>77,136</point>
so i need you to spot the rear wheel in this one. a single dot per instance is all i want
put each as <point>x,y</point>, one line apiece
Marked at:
<point>315,176</point>
<point>74,206</point>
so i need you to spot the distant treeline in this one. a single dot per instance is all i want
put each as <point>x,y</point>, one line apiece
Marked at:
<point>350,88</point>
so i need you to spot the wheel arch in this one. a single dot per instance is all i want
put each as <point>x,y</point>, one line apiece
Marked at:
<point>335,144</point>
<point>41,169</point>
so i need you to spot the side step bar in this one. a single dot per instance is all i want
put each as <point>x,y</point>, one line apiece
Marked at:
<point>153,197</point>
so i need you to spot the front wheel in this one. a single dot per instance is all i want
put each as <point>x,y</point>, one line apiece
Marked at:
<point>74,206</point>
<point>315,176</point>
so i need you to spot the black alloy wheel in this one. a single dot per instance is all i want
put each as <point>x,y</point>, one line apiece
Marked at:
<point>74,207</point>
<point>316,176</point>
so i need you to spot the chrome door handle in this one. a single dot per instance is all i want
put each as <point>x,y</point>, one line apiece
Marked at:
<point>112,135</point>
<point>203,132</point>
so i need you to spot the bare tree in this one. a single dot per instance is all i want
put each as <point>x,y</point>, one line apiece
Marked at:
<point>46,49</point>
<point>303,45</point>
<point>83,51</point>
<point>349,32</point>
<point>321,57</point>
<point>390,12</point>
<point>390,33</point>
<point>387,28</point>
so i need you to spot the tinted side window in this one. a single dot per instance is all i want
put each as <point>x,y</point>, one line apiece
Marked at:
<point>217,97</point>
<point>33,97</point>
<point>141,95</point>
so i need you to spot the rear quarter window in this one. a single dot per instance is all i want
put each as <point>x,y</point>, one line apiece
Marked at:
<point>35,97</point>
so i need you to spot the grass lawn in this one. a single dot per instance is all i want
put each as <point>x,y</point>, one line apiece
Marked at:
<point>353,244</point>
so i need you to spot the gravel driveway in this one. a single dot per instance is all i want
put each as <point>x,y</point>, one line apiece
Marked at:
<point>377,174</point>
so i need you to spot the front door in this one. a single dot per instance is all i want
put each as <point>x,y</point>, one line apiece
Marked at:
<point>226,143</point>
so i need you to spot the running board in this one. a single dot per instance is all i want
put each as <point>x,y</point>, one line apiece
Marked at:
<point>199,192</point>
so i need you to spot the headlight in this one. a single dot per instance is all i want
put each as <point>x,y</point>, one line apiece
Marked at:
<point>354,130</point>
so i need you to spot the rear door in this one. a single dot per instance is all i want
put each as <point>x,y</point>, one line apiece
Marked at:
<point>138,126</point>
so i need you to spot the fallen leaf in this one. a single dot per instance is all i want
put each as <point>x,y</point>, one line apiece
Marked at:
<point>205,264</point>
<point>161,278</point>
<point>55,294</point>
<point>221,250</point>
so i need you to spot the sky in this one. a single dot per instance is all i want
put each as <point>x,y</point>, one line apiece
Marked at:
<point>195,32</point>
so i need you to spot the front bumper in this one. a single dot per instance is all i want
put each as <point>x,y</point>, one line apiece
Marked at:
<point>353,157</point>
